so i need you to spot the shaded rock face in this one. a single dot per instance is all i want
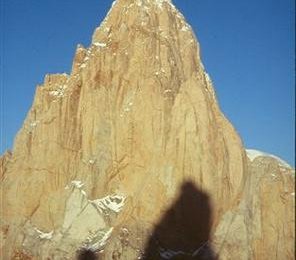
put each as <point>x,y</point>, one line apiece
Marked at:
<point>185,228</point>
<point>129,157</point>
<point>86,254</point>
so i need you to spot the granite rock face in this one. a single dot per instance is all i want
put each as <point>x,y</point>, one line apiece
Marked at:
<point>262,226</point>
<point>130,157</point>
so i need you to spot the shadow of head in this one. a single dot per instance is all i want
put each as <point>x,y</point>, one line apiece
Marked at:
<point>86,254</point>
<point>184,230</point>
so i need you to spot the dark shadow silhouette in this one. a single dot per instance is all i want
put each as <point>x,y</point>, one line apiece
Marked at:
<point>184,231</point>
<point>86,254</point>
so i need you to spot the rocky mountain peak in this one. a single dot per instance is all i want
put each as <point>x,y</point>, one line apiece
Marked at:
<point>120,157</point>
<point>149,18</point>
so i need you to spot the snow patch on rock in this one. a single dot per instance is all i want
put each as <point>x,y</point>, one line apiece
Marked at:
<point>185,28</point>
<point>34,123</point>
<point>113,203</point>
<point>59,92</point>
<point>97,241</point>
<point>44,235</point>
<point>77,184</point>
<point>100,44</point>
<point>91,161</point>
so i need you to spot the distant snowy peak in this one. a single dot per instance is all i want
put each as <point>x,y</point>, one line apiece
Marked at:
<point>252,154</point>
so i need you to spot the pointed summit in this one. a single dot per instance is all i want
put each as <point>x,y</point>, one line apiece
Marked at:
<point>151,16</point>
<point>154,31</point>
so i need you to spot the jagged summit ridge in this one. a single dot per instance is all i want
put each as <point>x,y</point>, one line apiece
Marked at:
<point>141,13</point>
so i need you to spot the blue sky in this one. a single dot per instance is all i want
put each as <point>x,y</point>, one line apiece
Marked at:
<point>247,48</point>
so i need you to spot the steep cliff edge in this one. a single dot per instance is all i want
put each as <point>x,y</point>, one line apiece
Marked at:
<point>125,144</point>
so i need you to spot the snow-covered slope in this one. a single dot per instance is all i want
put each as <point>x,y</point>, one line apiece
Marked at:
<point>252,154</point>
